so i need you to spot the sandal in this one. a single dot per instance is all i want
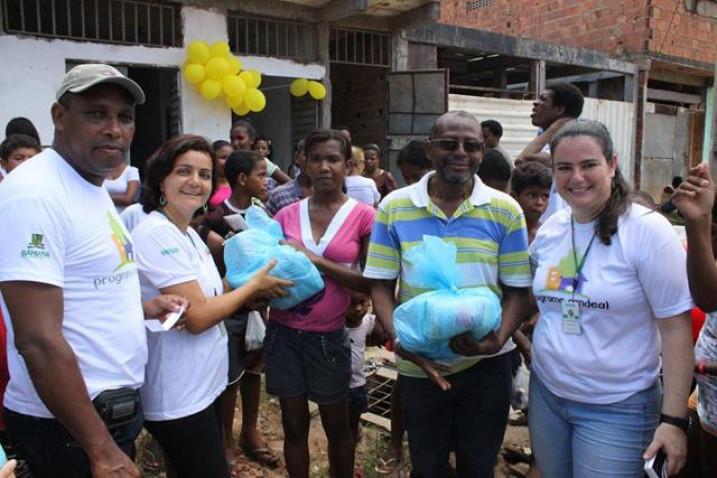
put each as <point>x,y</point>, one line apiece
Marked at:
<point>386,467</point>
<point>262,455</point>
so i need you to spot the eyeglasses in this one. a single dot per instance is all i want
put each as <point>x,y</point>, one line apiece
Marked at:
<point>469,145</point>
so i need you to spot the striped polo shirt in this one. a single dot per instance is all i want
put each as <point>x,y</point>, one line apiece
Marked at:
<point>488,230</point>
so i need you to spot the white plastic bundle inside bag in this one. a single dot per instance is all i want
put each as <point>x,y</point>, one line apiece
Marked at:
<point>248,251</point>
<point>427,322</point>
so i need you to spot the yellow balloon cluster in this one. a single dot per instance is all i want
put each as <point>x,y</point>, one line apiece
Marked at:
<point>301,86</point>
<point>216,73</point>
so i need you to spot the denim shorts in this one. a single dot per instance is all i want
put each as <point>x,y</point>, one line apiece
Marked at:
<point>358,399</point>
<point>298,362</point>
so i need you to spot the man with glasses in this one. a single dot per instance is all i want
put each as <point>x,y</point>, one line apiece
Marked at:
<point>462,405</point>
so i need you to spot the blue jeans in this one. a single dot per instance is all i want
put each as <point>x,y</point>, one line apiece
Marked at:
<point>470,418</point>
<point>49,449</point>
<point>580,440</point>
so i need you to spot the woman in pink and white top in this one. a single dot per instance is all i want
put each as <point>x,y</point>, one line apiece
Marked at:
<point>307,349</point>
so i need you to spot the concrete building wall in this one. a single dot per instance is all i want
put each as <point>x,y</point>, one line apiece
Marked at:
<point>616,27</point>
<point>33,69</point>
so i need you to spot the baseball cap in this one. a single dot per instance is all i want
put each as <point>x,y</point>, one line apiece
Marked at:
<point>84,77</point>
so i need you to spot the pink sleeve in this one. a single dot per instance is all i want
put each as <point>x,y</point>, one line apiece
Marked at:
<point>367,220</point>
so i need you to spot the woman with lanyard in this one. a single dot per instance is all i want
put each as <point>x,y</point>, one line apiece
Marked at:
<point>307,349</point>
<point>187,369</point>
<point>611,285</point>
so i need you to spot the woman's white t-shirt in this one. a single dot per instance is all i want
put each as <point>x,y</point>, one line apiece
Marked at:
<point>624,289</point>
<point>186,372</point>
<point>120,184</point>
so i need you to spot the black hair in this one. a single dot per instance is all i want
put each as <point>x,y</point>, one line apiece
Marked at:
<point>239,162</point>
<point>372,147</point>
<point>676,181</point>
<point>414,153</point>
<point>299,148</point>
<point>17,141</point>
<point>494,166</point>
<point>24,126</point>
<point>244,124</point>
<point>261,138</point>
<point>619,200</point>
<point>219,144</point>
<point>321,135</point>
<point>569,97</point>
<point>494,127</point>
<point>531,174</point>
<point>458,114</point>
<point>161,163</point>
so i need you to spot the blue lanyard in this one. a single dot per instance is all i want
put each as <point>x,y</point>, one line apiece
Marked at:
<point>578,266</point>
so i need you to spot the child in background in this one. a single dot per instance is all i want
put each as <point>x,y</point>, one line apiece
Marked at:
<point>14,150</point>
<point>262,146</point>
<point>495,170</point>
<point>413,162</point>
<point>530,186</point>
<point>362,328</point>
<point>222,149</point>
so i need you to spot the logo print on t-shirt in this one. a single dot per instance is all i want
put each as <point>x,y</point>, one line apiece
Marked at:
<point>35,248</point>
<point>561,278</point>
<point>121,241</point>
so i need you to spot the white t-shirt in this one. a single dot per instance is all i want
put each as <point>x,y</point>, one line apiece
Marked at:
<point>133,215</point>
<point>59,229</point>
<point>119,185</point>
<point>185,371</point>
<point>362,189</point>
<point>624,289</point>
<point>357,336</point>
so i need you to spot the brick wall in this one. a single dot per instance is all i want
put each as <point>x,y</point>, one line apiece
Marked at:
<point>691,35</point>
<point>616,27</point>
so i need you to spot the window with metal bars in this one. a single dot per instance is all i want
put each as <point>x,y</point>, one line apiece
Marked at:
<point>250,35</point>
<point>476,4</point>
<point>151,23</point>
<point>359,47</point>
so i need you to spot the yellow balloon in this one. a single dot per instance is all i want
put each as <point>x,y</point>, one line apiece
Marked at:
<point>217,68</point>
<point>234,101</point>
<point>299,87</point>
<point>248,78</point>
<point>194,73</point>
<point>256,76</point>
<point>210,89</point>
<point>317,90</point>
<point>233,86</point>
<point>255,100</point>
<point>198,52</point>
<point>219,49</point>
<point>234,64</point>
<point>241,110</point>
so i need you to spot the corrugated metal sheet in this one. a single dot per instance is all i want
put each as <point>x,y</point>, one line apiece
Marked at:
<point>514,115</point>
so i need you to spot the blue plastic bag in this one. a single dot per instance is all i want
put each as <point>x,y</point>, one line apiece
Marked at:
<point>427,322</point>
<point>250,250</point>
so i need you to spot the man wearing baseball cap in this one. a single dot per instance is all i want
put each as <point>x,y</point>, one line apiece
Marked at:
<point>76,340</point>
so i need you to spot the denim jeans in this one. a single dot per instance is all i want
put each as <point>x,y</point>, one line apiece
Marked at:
<point>470,418</point>
<point>581,440</point>
<point>49,449</point>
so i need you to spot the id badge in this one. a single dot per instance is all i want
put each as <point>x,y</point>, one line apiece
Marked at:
<point>571,318</point>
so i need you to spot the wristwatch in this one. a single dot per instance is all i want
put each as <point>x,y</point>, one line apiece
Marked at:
<point>681,423</point>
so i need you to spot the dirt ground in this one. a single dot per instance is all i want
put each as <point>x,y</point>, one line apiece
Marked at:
<point>372,446</point>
